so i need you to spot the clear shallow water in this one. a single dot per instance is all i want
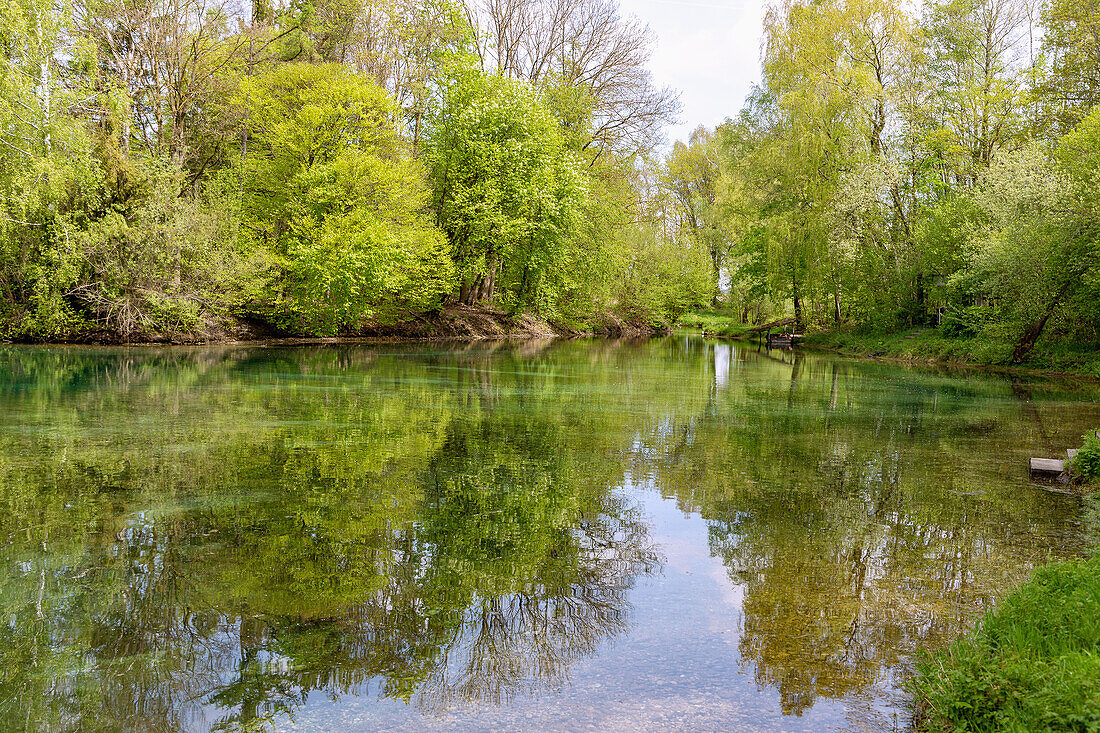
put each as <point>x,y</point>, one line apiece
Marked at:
<point>594,535</point>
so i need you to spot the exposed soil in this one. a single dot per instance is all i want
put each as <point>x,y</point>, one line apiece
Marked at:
<point>454,322</point>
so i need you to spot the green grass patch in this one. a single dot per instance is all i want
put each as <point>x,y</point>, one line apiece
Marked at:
<point>934,345</point>
<point>1033,663</point>
<point>714,323</point>
<point>1086,464</point>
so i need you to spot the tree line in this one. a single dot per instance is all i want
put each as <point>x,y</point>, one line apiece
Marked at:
<point>898,168</point>
<point>170,167</point>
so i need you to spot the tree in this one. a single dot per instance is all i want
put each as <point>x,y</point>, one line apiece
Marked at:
<point>47,178</point>
<point>506,191</point>
<point>973,62</point>
<point>167,59</point>
<point>1072,42</point>
<point>335,200</point>
<point>1042,248</point>
<point>809,137</point>
<point>406,45</point>
<point>581,49</point>
<point>691,175</point>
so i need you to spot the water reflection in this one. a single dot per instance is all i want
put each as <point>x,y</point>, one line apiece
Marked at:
<point>289,531</point>
<point>197,539</point>
<point>867,515</point>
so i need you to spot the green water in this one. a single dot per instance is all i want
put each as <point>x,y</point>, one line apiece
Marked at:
<point>666,535</point>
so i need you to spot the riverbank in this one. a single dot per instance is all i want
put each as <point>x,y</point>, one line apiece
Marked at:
<point>929,346</point>
<point>453,322</point>
<point>1033,663</point>
<point>924,345</point>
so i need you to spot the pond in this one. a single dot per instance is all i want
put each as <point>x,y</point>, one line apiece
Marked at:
<point>579,535</point>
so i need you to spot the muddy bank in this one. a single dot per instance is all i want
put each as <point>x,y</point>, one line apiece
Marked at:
<point>474,323</point>
<point>456,322</point>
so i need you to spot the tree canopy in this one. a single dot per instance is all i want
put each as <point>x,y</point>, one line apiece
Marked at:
<point>172,170</point>
<point>896,170</point>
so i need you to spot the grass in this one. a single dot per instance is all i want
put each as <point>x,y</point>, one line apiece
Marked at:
<point>1033,663</point>
<point>1086,464</point>
<point>714,323</point>
<point>930,345</point>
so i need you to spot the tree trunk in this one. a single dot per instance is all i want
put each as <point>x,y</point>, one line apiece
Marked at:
<point>523,284</point>
<point>44,83</point>
<point>716,262</point>
<point>1035,330</point>
<point>796,296</point>
<point>488,280</point>
<point>488,286</point>
<point>922,301</point>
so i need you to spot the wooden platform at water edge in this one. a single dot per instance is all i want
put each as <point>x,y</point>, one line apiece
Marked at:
<point>1049,467</point>
<point>782,340</point>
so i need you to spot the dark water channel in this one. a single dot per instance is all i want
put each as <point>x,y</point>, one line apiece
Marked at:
<point>594,535</point>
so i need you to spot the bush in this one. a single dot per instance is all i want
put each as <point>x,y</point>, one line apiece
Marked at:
<point>964,322</point>
<point>1086,463</point>
<point>1032,664</point>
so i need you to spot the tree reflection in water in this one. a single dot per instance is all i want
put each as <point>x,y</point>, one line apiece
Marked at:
<point>203,538</point>
<point>421,543</point>
<point>863,517</point>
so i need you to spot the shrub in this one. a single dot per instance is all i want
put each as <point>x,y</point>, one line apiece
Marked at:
<point>1086,463</point>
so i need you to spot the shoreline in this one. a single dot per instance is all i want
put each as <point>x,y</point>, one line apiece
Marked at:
<point>460,323</point>
<point>947,363</point>
<point>888,353</point>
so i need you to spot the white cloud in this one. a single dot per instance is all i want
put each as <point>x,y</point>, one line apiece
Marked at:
<point>709,50</point>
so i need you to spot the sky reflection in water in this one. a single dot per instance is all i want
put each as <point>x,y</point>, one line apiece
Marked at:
<point>609,535</point>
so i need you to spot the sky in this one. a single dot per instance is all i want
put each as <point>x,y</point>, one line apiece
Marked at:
<point>709,50</point>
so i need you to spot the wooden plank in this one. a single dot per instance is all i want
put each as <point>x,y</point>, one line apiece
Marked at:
<point>769,326</point>
<point>1046,465</point>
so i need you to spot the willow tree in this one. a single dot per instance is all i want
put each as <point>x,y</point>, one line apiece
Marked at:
<point>830,154</point>
<point>806,141</point>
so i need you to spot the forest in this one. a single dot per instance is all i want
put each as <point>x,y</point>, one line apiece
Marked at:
<point>173,167</point>
<point>169,168</point>
<point>903,170</point>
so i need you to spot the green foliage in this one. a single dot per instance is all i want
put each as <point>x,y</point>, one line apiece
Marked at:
<point>334,196</point>
<point>1087,461</point>
<point>220,169</point>
<point>661,279</point>
<point>964,322</point>
<point>1031,665</point>
<point>1072,85</point>
<point>690,174</point>
<point>153,269</point>
<point>507,192</point>
<point>891,168</point>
